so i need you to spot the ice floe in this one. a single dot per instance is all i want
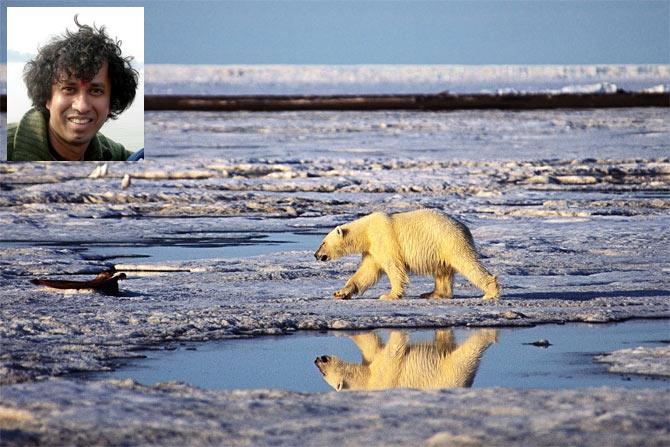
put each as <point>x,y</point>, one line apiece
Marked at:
<point>569,209</point>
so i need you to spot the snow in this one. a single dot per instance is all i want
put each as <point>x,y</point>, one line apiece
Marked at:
<point>569,209</point>
<point>639,360</point>
<point>465,135</point>
<point>172,414</point>
<point>570,240</point>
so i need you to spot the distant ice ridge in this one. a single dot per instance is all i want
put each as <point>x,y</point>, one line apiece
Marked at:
<point>599,88</point>
<point>661,88</point>
<point>380,79</point>
<point>602,87</point>
<point>608,87</point>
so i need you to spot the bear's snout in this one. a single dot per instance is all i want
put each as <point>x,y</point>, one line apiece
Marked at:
<point>320,362</point>
<point>320,256</point>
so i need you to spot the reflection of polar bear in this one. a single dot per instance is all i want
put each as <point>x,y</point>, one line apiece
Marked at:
<point>424,242</point>
<point>398,364</point>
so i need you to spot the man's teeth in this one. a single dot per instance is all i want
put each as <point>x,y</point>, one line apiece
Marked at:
<point>80,120</point>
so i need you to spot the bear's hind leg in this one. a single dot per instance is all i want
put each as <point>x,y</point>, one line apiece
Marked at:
<point>492,289</point>
<point>443,285</point>
<point>370,344</point>
<point>444,341</point>
<point>475,272</point>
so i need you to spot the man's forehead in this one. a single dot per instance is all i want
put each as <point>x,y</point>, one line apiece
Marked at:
<point>70,78</point>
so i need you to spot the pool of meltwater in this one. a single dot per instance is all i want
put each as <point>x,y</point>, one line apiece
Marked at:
<point>477,357</point>
<point>223,248</point>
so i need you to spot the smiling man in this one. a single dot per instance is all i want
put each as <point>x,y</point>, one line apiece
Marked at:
<point>76,83</point>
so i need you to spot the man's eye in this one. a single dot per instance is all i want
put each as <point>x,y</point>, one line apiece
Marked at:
<point>67,89</point>
<point>97,91</point>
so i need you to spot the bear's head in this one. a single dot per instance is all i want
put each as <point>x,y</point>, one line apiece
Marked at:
<point>342,375</point>
<point>334,245</point>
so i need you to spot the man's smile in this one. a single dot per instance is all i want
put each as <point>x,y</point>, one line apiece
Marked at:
<point>80,120</point>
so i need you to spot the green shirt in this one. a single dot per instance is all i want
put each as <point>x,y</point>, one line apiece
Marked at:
<point>29,141</point>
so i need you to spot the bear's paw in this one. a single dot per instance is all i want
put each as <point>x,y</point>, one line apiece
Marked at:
<point>435,296</point>
<point>343,294</point>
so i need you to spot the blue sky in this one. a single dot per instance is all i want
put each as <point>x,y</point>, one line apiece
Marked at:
<point>399,32</point>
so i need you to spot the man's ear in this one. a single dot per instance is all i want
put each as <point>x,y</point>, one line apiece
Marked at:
<point>48,104</point>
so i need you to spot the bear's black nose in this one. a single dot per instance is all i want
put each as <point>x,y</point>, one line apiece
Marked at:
<point>323,359</point>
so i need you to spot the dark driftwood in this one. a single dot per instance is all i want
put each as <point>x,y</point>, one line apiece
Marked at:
<point>405,102</point>
<point>399,102</point>
<point>106,282</point>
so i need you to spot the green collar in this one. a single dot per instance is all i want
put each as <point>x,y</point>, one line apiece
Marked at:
<point>31,141</point>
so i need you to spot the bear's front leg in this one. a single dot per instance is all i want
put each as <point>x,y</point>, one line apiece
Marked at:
<point>366,275</point>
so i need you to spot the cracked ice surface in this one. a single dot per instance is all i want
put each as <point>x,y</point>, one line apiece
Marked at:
<point>640,360</point>
<point>173,414</point>
<point>569,209</point>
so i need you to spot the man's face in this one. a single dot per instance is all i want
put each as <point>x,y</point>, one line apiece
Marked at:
<point>78,109</point>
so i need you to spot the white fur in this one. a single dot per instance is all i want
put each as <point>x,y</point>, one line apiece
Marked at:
<point>399,364</point>
<point>422,242</point>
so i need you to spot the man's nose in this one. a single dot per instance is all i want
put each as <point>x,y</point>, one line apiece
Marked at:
<point>82,103</point>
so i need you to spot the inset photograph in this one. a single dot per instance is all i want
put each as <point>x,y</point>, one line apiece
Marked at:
<point>75,89</point>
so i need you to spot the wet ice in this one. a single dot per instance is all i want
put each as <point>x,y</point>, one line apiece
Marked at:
<point>287,362</point>
<point>568,208</point>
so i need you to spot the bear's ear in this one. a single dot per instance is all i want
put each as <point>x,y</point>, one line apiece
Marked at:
<point>340,385</point>
<point>342,232</point>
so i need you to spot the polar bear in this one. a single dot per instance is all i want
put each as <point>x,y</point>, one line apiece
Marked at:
<point>400,364</point>
<point>423,242</point>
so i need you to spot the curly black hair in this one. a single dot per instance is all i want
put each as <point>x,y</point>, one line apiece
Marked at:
<point>81,55</point>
